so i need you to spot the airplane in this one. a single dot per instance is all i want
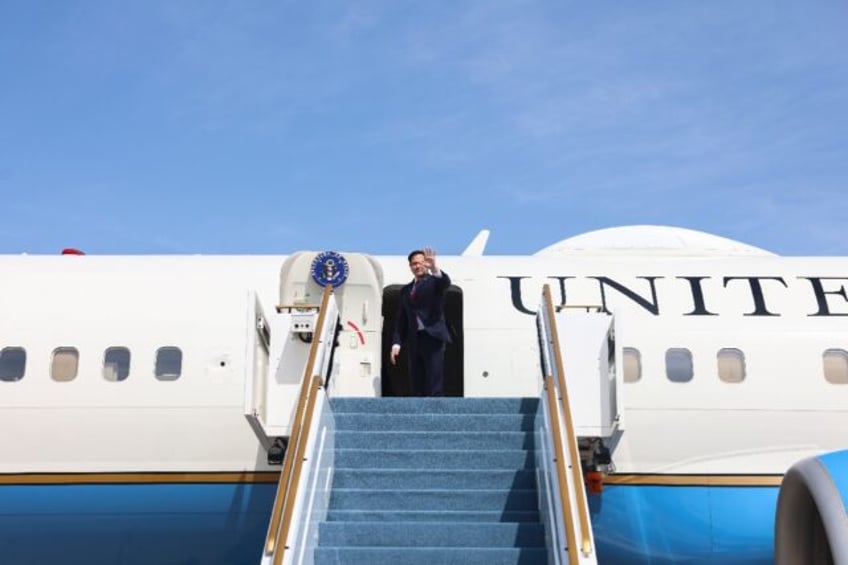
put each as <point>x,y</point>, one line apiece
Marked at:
<point>147,402</point>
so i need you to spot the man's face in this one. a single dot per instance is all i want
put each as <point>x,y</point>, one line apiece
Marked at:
<point>416,265</point>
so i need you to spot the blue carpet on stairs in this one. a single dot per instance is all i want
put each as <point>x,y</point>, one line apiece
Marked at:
<point>433,480</point>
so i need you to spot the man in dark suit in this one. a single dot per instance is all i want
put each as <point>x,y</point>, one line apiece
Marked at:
<point>421,326</point>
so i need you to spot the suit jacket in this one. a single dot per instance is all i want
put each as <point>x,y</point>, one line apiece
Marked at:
<point>428,305</point>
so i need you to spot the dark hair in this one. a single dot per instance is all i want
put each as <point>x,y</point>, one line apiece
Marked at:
<point>413,254</point>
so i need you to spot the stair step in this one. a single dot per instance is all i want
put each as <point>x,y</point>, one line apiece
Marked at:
<point>430,556</point>
<point>362,421</point>
<point>433,480</point>
<point>435,459</point>
<point>469,479</point>
<point>433,516</point>
<point>432,534</point>
<point>342,405</point>
<point>368,499</point>
<point>434,440</point>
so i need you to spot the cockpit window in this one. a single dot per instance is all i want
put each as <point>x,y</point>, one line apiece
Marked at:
<point>835,366</point>
<point>12,364</point>
<point>731,365</point>
<point>678,365</point>
<point>116,364</point>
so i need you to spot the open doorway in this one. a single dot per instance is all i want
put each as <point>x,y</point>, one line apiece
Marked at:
<point>395,379</point>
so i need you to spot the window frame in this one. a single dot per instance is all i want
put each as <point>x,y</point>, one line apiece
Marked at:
<point>690,361</point>
<point>64,349</point>
<point>843,355</point>
<point>163,376</point>
<point>3,368</point>
<point>732,353</point>
<point>638,361</point>
<point>106,363</point>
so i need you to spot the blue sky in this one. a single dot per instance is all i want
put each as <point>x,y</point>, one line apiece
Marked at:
<point>147,126</point>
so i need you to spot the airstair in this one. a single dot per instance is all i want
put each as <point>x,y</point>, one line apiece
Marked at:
<point>433,480</point>
<point>414,480</point>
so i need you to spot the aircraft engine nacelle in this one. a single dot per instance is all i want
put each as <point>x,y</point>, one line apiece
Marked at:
<point>812,524</point>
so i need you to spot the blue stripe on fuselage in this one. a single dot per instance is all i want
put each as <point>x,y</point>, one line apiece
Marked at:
<point>661,525</point>
<point>134,523</point>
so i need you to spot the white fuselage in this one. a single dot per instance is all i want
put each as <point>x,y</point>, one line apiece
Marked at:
<point>781,313</point>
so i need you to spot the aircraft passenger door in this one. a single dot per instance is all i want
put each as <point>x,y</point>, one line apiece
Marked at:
<point>395,379</point>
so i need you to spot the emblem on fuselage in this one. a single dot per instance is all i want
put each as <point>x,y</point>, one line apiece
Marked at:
<point>330,268</point>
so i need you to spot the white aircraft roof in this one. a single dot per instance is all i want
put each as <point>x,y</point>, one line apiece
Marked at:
<point>650,240</point>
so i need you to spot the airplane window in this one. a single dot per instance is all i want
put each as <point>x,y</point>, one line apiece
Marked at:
<point>632,365</point>
<point>65,364</point>
<point>678,365</point>
<point>731,365</point>
<point>169,363</point>
<point>836,366</point>
<point>116,364</point>
<point>12,364</point>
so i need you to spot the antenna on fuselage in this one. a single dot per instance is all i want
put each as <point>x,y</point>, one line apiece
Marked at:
<point>477,245</point>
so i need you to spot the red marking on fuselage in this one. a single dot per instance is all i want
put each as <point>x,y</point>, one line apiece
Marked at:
<point>358,332</point>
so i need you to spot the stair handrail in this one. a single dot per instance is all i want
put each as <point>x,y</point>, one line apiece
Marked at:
<point>293,461</point>
<point>288,509</point>
<point>574,454</point>
<point>562,480</point>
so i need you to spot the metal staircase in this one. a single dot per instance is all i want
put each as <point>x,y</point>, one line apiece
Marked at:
<point>371,480</point>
